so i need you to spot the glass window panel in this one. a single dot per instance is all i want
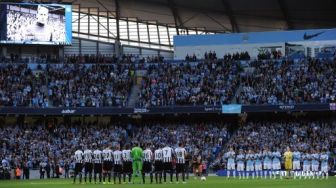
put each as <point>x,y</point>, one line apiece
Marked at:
<point>75,21</point>
<point>94,25</point>
<point>83,23</point>
<point>133,31</point>
<point>153,34</point>
<point>163,33</point>
<point>143,32</point>
<point>113,27</point>
<point>103,26</point>
<point>123,29</point>
<point>172,33</point>
<point>192,32</point>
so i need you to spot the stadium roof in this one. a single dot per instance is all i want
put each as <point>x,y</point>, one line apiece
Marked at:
<point>225,15</point>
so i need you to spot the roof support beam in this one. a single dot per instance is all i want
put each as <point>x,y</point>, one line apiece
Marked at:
<point>285,13</point>
<point>108,10</point>
<point>229,13</point>
<point>117,11</point>
<point>225,29</point>
<point>177,17</point>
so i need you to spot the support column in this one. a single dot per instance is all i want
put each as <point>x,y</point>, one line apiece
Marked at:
<point>117,47</point>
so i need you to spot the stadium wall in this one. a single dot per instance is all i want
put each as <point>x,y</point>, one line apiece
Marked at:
<point>252,42</point>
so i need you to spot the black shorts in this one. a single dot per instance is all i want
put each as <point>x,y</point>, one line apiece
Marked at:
<point>117,168</point>
<point>127,167</point>
<point>186,165</point>
<point>168,166</point>
<point>147,167</point>
<point>107,166</point>
<point>98,168</point>
<point>158,166</point>
<point>88,167</point>
<point>180,167</point>
<point>78,168</point>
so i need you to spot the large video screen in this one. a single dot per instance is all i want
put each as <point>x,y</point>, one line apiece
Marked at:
<point>25,23</point>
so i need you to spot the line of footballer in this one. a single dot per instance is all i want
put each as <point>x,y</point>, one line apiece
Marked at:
<point>135,162</point>
<point>268,164</point>
<point>130,164</point>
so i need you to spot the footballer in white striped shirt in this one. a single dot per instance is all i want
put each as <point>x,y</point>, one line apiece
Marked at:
<point>158,164</point>
<point>127,163</point>
<point>107,163</point>
<point>117,159</point>
<point>78,164</point>
<point>97,164</point>
<point>167,162</point>
<point>147,163</point>
<point>180,162</point>
<point>88,165</point>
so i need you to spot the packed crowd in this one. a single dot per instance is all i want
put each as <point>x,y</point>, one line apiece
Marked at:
<point>83,59</point>
<point>206,82</point>
<point>20,86</point>
<point>36,144</point>
<point>38,59</point>
<point>286,82</point>
<point>89,86</point>
<point>65,85</point>
<point>299,135</point>
<point>201,83</point>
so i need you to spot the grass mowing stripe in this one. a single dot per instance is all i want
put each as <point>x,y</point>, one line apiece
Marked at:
<point>211,182</point>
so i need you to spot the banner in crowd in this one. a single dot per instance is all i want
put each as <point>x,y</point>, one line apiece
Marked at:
<point>232,109</point>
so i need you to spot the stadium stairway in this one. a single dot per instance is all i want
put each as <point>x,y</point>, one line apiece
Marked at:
<point>44,88</point>
<point>235,99</point>
<point>134,96</point>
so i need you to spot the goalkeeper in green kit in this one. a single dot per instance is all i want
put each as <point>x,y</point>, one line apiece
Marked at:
<point>137,155</point>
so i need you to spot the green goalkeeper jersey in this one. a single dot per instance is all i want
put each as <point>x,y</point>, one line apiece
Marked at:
<point>137,154</point>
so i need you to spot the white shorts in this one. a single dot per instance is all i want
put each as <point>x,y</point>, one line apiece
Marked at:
<point>324,168</point>
<point>276,166</point>
<point>231,166</point>
<point>296,165</point>
<point>315,168</point>
<point>258,167</point>
<point>267,165</point>
<point>306,168</point>
<point>240,167</point>
<point>249,168</point>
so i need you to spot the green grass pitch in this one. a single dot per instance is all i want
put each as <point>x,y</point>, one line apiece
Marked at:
<point>211,182</point>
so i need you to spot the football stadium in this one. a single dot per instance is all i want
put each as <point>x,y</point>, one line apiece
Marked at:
<point>167,93</point>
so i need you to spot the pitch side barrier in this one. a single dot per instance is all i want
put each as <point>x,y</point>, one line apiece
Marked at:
<point>225,109</point>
